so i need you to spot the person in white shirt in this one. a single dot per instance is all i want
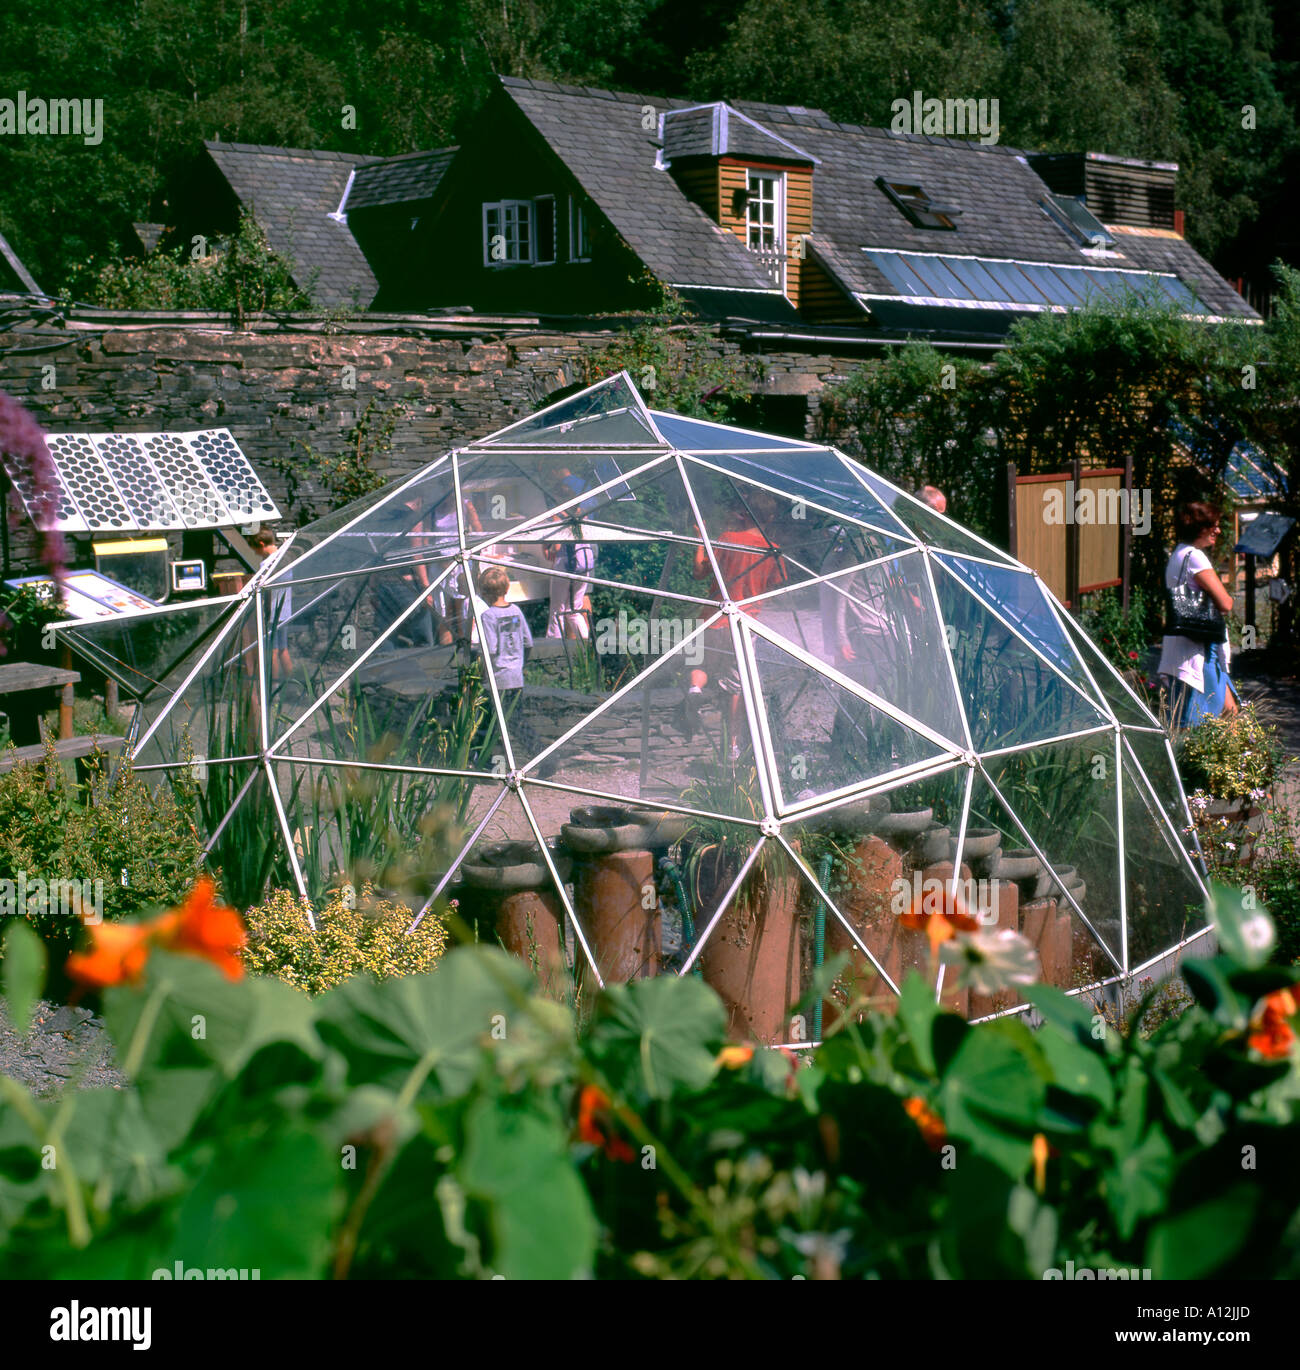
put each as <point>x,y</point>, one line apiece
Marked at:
<point>1195,674</point>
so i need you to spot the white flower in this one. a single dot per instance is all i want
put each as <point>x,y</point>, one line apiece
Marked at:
<point>990,961</point>
<point>1231,846</point>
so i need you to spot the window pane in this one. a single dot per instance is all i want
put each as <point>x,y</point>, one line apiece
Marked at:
<point>545,211</point>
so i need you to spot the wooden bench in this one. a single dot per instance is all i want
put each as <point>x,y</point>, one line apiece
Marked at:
<point>65,749</point>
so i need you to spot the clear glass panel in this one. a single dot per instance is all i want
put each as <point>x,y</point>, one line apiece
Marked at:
<point>930,527</point>
<point>217,713</point>
<point>318,632</point>
<point>608,414</point>
<point>1159,776</point>
<point>1018,598</point>
<point>413,524</point>
<point>825,737</point>
<point>640,531</point>
<point>1114,690</point>
<point>142,652</point>
<point>1064,798</point>
<point>820,477</point>
<point>1010,693</point>
<point>699,435</point>
<point>1165,902</point>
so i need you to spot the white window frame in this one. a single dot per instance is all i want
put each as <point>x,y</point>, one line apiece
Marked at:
<point>545,205</point>
<point>510,213</point>
<point>579,231</point>
<point>775,179</point>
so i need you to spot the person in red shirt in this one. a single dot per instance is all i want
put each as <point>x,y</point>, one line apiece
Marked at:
<point>751,564</point>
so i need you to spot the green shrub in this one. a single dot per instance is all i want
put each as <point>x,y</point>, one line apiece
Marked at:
<point>365,935</point>
<point>1123,637</point>
<point>138,841</point>
<point>1236,757</point>
<point>240,275</point>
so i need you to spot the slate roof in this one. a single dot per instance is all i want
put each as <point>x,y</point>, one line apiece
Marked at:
<point>291,192</point>
<point>398,180</point>
<point>14,276</point>
<point>599,135</point>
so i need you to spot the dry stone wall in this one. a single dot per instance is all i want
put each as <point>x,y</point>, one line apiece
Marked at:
<point>275,390</point>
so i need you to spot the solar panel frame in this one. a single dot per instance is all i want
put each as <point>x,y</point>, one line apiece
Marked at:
<point>197,500</point>
<point>67,518</point>
<point>897,272</point>
<point>91,484</point>
<point>970,270</point>
<point>138,481</point>
<point>232,474</point>
<point>935,269</point>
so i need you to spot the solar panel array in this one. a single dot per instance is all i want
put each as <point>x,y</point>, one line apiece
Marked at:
<point>1008,284</point>
<point>150,482</point>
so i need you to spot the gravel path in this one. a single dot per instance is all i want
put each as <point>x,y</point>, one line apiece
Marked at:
<point>64,1044</point>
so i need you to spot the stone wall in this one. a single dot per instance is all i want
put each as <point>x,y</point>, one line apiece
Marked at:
<point>276,389</point>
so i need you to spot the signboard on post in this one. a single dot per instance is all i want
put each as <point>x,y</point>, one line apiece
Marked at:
<point>1073,528</point>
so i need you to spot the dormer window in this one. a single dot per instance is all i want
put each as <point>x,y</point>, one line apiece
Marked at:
<point>920,209</point>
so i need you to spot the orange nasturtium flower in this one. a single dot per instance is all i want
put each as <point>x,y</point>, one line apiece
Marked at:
<point>933,1132</point>
<point>593,1111</point>
<point>943,922</point>
<point>732,1058</point>
<point>1273,1035</point>
<point>200,927</point>
<point>118,952</point>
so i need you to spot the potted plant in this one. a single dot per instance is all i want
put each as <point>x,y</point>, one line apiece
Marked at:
<point>614,870</point>
<point>515,892</point>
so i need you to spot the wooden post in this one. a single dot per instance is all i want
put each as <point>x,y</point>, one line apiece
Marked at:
<point>1072,540</point>
<point>1011,508</point>
<point>110,697</point>
<point>66,698</point>
<point>1250,589</point>
<point>1126,537</point>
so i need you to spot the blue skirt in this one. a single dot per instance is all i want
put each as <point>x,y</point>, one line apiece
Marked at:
<point>1192,706</point>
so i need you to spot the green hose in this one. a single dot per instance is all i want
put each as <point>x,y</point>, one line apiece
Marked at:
<point>671,870</point>
<point>819,937</point>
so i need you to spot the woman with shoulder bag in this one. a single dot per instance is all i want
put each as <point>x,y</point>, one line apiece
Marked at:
<point>1193,659</point>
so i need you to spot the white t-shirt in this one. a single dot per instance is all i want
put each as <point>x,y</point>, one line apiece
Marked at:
<point>1180,657</point>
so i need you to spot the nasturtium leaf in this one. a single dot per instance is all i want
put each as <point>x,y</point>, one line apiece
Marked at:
<point>264,1203</point>
<point>435,1026</point>
<point>917,1011</point>
<point>196,1016</point>
<point>1137,1185</point>
<point>516,1161</point>
<point>993,1094</point>
<point>1069,1015</point>
<point>657,1036</point>
<point>1194,1244</point>
<point>1077,1069</point>
<point>22,969</point>
<point>1208,980</point>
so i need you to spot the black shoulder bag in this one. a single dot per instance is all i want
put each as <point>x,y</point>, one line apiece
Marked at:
<point>1191,613</point>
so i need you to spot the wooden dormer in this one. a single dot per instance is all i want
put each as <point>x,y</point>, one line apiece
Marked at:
<point>747,179</point>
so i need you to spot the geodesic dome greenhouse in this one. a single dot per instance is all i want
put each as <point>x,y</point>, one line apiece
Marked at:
<point>769,696</point>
